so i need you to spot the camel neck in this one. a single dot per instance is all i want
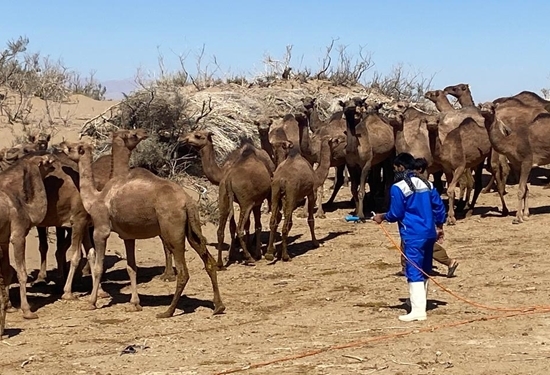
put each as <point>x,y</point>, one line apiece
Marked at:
<point>120,158</point>
<point>304,137</point>
<point>466,100</point>
<point>88,192</point>
<point>266,146</point>
<point>435,143</point>
<point>351,139</point>
<point>315,122</point>
<point>321,173</point>
<point>443,104</point>
<point>211,169</point>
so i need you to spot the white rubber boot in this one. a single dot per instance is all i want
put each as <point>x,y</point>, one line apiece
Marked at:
<point>417,291</point>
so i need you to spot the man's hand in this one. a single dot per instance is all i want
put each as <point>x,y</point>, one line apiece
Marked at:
<point>440,234</point>
<point>379,218</point>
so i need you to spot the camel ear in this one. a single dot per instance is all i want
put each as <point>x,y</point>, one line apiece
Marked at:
<point>341,103</point>
<point>48,137</point>
<point>32,138</point>
<point>209,136</point>
<point>80,149</point>
<point>288,145</point>
<point>256,122</point>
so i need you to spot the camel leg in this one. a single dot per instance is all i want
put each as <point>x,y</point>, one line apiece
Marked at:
<point>522,192</point>
<point>287,225</point>
<point>361,195</point>
<point>198,242</point>
<point>500,177</point>
<point>88,239</point>
<point>63,244</point>
<point>451,220</point>
<point>43,248</point>
<point>77,234</point>
<point>355,178</point>
<point>438,181</point>
<point>97,257</point>
<point>493,167</point>
<point>224,210</point>
<point>18,242</point>
<point>274,220</point>
<point>168,274</point>
<point>182,278</point>
<point>243,217</point>
<point>7,272</point>
<point>311,221</point>
<point>478,185</point>
<point>338,182</point>
<point>320,214</point>
<point>257,211</point>
<point>345,176</point>
<point>131,267</point>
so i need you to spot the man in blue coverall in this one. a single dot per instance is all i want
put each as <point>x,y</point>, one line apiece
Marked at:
<point>417,207</point>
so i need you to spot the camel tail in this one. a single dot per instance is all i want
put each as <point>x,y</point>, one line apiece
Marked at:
<point>194,231</point>
<point>3,301</point>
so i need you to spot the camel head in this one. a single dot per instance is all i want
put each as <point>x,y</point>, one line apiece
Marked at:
<point>457,90</point>
<point>309,103</point>
<point>197,139</point>
<point>353,107</point>
<point>263,126</point>
<point>41,140</point>
<point>281,149</point>
<point>487,107</point>
<point>75,150</point>
<point>131,138</point>
<point>431,122</point>
<point>434,95</point>
<point>46,163</point>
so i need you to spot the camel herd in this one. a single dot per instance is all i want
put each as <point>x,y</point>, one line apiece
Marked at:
<point>86,200</point>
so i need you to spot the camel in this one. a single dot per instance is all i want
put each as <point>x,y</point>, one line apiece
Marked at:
<point>368,143</point>
<point>202,141</point>
<point>293,180</point>
<point>464,147</point>
<point>525,147</point>
<point>23,204</point>
<point>263,132</point>
<point>462,93</point>
<point>164,210</point>
<point>528,98</point>
<point>249,193</point>
<point>497,163</point>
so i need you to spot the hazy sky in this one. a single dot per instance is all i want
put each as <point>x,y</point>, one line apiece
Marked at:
<point>498,47</point>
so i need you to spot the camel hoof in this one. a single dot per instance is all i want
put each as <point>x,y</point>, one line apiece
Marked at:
<point>469,213</point>
<point>517,221</point>
<point>451,221</point>
<point>321,216</point>
<point>249,262</point>
<point>68,296</point>
<point>167,277</point>
<point>316,244</point>
<point>134,308</point>
<point>219,309</point>
<point>103,294</point>
<point>29,315</point>
<point>269,257</point>
<point>164,315</point>
<point>505,212</point>
<point>11,309</point>
<point>39,280</point>
<point>286,258</point>
<point>89,307</point>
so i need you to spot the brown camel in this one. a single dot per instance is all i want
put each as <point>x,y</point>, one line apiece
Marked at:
<point>368,143</point>
<point>164,210</point>
<point>464,147</point>
<point>249,193</point>
<point>525,147</point>
<point>23,204</point>
<point>263,131</point>
<point>293,180</point>
<point>528,98</point>
<point>462,93</point>
<point>202,141</point>
<point>498,164</point>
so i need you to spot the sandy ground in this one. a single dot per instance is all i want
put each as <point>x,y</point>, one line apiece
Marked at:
<point>343,292</point>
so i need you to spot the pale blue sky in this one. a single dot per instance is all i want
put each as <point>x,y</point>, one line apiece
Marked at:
<point>498,47</point>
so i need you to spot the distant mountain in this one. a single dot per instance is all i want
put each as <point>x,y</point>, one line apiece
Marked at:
<point>116,87</point>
